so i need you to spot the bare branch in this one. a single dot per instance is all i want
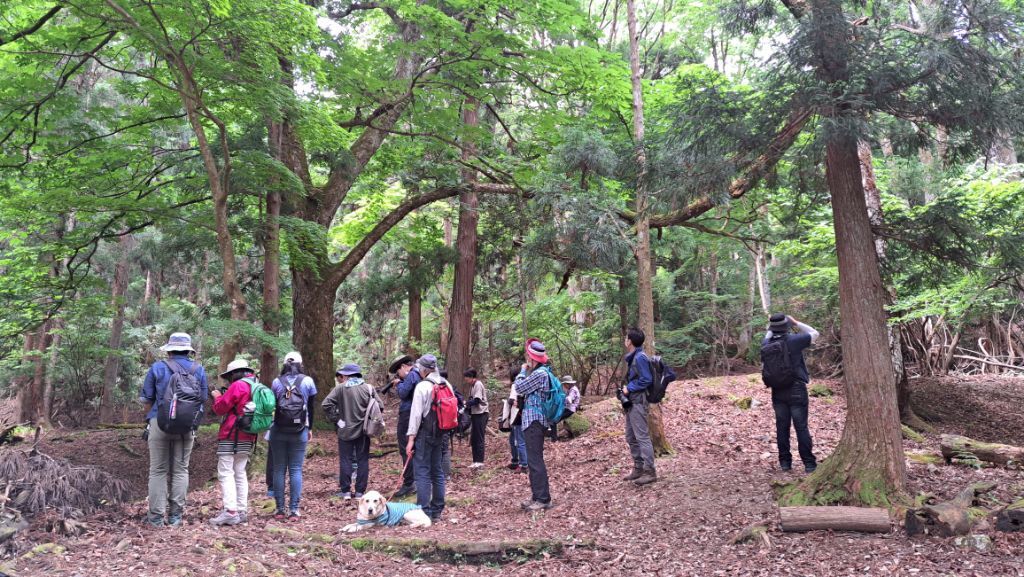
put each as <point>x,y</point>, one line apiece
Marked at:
<point>34,27</point>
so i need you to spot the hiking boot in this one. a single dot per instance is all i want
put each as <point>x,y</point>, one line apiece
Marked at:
<point>243,516</point>
<point>154,521</point>
<point>358,495</point>
<point>174,520</point>
<point>786,466</point>
<point>537,506</point>
<point>636,474</point>
<point>279,515</point>
<point>293,517</point>
<point>810,468</point>
<point>649,476</point>
<point>404,491</point>
<point>524,469</point>
<point>512,466</point>
<point>476,465</point>
<point>226,518</point>
<point>345,495</point>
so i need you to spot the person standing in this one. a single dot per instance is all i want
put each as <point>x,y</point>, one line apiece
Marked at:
<point>532,384</point>
<point>426,439</point>
<point>169,454</point>
<point>291,432</point>
<point>407,378</point>
<point>479,413</point>
<point>789,397</point>
<point>346,406</point>
<point>638,379</point>
<point>516,444</point>
<point>233,444</point>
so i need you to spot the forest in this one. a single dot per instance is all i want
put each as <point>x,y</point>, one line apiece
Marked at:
<point>357,181</point>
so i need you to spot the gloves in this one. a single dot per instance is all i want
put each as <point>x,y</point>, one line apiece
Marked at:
<point>341,424</point>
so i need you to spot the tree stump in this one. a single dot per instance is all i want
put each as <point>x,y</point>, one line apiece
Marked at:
<point>1011,519</point>
<point>948,518</point>
<point>861,519</point>
<point>958,447</point>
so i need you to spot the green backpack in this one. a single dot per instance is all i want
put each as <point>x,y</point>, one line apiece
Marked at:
<point>258,414</point>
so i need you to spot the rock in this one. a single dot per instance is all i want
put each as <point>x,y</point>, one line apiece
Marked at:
<point>755,403</point>
<point>743,403</point>
<point>766,456</point>
<point>979,543</point>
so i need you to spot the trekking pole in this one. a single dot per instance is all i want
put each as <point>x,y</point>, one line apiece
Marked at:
<point>401,476</point>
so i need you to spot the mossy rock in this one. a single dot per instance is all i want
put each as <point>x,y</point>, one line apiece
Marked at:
<point>285,532</point>
<point>820,390</point>
<point>44,549</point>
<point>743,403</point>
<point>577,424</point>
<point>925,457</point>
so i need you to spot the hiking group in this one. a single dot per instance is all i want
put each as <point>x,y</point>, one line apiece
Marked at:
<point>431,410</point>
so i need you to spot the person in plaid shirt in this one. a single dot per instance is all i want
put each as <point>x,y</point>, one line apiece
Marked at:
<point>532,385</point>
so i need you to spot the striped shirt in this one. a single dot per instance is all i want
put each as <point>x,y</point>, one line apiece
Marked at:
<point>534,387</point>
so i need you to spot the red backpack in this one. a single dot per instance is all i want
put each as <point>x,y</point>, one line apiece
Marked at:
<point>444,409</point>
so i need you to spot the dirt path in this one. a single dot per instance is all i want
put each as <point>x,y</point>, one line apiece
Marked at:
<point>716,484</point>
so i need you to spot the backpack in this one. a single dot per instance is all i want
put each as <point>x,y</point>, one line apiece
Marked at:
<point>444,410</point>
<point>553,406</point>
<point>258,414</point>
<point>776,364</point>
<point>181,407</point>
<point>291,414</point>
<point>662,376</point>
<point>373,422</point>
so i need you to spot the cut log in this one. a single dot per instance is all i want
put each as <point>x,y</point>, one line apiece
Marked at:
<point>1011,519</point>
<point>861,519</point>
<point>948,518</point>
<point>958,447</point>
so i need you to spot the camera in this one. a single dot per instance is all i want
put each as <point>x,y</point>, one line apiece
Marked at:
<point>624,399</point>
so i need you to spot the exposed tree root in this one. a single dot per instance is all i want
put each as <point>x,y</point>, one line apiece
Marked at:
<point>838,482</point>
<point>948,518</point>
<point>476,552</point>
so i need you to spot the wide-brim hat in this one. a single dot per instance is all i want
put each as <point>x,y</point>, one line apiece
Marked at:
<point>536,351</point>
<point>235,365</point>
<point>349,370</point>
<point>399,363</point>
<point>178,342</point>
<point>568,380</point>
<point>778,323</point>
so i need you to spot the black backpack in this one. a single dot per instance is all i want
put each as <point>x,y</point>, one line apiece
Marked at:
<point>292,411</point>
<point>180,409</point>
<point>662,376</point>
<point>776,364</point>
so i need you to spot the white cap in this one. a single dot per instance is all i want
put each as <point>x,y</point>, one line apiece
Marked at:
<point>293,357</point>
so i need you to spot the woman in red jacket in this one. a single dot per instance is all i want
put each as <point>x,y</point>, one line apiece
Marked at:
<point>233,444</point>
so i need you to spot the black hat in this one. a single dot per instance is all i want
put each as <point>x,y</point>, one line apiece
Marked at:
<point>399,362</point>
<point>778,323</point>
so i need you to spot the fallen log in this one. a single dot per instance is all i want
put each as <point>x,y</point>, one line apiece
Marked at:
<point>958,447</point>
<point>948,518</point>
<point>861,519</point>
<point>1011,518</point>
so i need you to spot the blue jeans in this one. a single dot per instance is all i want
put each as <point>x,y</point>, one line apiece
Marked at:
<point>430,483</point>
<point>289,450</point>
<point>518,446</point>
<point>791,407</point>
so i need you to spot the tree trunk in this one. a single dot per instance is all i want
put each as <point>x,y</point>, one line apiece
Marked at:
<point>873,199</point>
<point>747,331</point>
<point>868,465</point>
<point>112,365</point>
<point>415,318</point>
<point>313,328</point>
<point>461,311</point>
<point>861,519</point>
<point>276,132</point>
<point>644,273</point>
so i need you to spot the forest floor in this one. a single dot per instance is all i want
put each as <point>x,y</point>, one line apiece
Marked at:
<point>718,482</point>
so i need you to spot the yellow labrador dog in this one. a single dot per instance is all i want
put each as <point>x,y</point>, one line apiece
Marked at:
<point>374,510</point>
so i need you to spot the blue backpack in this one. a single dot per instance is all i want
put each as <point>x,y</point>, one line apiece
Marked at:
<point>553,404</point>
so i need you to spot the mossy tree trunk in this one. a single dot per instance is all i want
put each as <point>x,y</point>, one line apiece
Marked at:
<point>868,465</point>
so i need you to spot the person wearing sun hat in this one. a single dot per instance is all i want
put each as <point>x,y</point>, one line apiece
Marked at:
<point>233,444</point>
<point>532,384</point>
<point>572,402</point>
<point>169,455</point>
<point>346,405</point>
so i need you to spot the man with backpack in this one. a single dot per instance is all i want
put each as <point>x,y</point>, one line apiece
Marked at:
<point>178,383</point>
<point>433,416</point>
<point>346,406</point>
<point>248,409</point>
<point>407,378</point>
<point>536,386</point>
<point>784,371</point>
<point>295,394</point>
<point>639,379</point>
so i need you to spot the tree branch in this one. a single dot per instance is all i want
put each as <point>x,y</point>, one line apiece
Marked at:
<point>33,28</point>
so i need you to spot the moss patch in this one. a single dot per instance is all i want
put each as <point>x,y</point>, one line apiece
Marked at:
<point>577,424</point>
<point>820,390</point>
<point>925,457</point>
<point>911,435</point>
